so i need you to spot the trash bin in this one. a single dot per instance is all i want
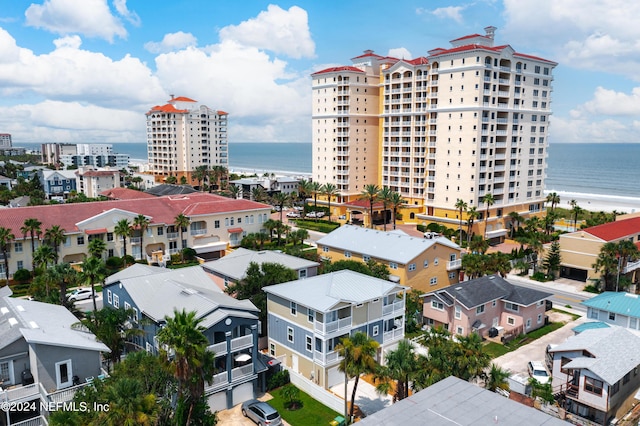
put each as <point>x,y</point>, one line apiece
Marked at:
<point>338,421</point>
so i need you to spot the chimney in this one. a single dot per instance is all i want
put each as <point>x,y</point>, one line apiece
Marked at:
<point>490,32</point>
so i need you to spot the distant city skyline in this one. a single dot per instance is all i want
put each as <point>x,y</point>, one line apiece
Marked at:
<point>87,71</point>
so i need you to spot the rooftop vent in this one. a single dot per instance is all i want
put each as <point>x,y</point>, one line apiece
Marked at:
<point>189,291</point>
<point>4,310</point>
<point>12,321</point>
<point>33,324</point>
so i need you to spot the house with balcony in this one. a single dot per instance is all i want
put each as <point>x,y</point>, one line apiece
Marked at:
<point>596,374</point>
<point>579,250</point>
<point>420,263</point>
<point>307,318</point>
<point>91,182</point>
<point>615,308</point>
<point>216,223</point>
<point>482,304</point>
<point>231,325</point>
<point>57,184</point>
<point>44,357</point>
<point>233,267</point>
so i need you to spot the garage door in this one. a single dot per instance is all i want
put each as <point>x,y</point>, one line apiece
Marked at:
<point>218,401</point>
<point>573,273</point>
<point>334,377</point>
<point>243,393</point>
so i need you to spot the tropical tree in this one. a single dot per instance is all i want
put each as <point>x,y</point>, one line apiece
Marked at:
<point>97,247</point>
<point>612,259</point>
<point>128,404</point>
<point>370,193</point>
<point>462,207</point>
<point>182,222</point>
<point>65,276</point>
<point>234,190</point>
<point>575,211</point>
<point>123,230</point>
<point>304,188</point>
<point>472,215</point>
<point>270,225</point>
<point>396,203</point>
<point>183,180</point>
<point>553,199</point>
<point>43,256</point>
<point>141,223</point>
<point>93,270</point>
<point>315,188</point>
<point>329,190</point>
<point>516,220</point>
<point>358,352</point>
<point>400,367</point>
<point>488,200</point>
<point>478,244</point>
<point>32,228</point>
<point>6,237</point>
<point>384,195</point>
<point>258,194</point>
<point>552,260</point>
<point>54,236</point>
<point>191,362</point>
<point>200,174</point>
<point>172,180</point>
<point>280,199</point>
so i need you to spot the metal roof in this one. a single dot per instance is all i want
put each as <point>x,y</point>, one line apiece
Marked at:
<point>616,352</point>
<point>619,303</point>
<point>453,401</point>
<point>234,265</point>
<point>391,246</point>
<point>324,292</point>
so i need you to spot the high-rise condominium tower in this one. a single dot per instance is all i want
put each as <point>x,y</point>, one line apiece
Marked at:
<point>458,124</point>
<point>182,135</point>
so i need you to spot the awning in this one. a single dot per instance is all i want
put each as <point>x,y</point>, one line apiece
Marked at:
<point>497,233</point>
<point>243,357</point>
<point>477,325</point>
<point>235,230</point>
<point>206,248</point>
<point>95,231</point>
<point>394,278</point>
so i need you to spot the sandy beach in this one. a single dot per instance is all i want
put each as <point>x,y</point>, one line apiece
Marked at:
<point>598,202</point>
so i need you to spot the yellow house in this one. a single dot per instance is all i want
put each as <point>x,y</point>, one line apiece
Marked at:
<point>420,263</point>
<point>579,250</point>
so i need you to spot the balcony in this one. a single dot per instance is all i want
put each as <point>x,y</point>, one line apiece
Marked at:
<point>135,240</point>
<point>392,335</point>
<point>219,381</point>
<point>392,308</point>
<point>631,267</point>
<point>198,231</point>
<point>333,326</point>
<point>218,348</point>
<point>240,372</point>
<point>452,265</point>
<point>241,342</point>
<point>328,358</point>
<point>173,235</point>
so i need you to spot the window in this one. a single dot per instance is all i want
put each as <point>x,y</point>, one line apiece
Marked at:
<point>436,260</point>
<point>612,316</point>
<point>376,330</point>
<point>511,306</point>
<point>109,236</point>
<point>366,258</point>
<point>272,349</point>
<point>325,249</point>
<point>437,305</point>
<point>135,314</point>
<point>116,301</point>
<point>511,320</point>
<point>17,247</point>
<point>493,304</point>
<point>433,281</point>
<point>5,374</point>
<point>290,334</point>
<point>309,343</point>
<point>426,263</point>
<point>626,378</point>
<point>216,224</point>
<point>458,312</point>
<point>109,296</point>
<point>294,309</point>
<point>528,324</point>
<point>480,310</point>
<point>393,265</point>
<point>539,318</point>
<point>20,264</point>
<point>412,266</point>
<point>80,240</point>
<point>593,385</point>
<point>452,275</point>
<point>460,331</point>
<point>347,254</point>
<point>310,315</point>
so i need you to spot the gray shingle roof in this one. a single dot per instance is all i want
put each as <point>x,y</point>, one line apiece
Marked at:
<point>455,402</point>
<point>390,246</point>
<point>324,292</point>
<point>616,351</point>
<point>481,290</point>
<point>235,264</point>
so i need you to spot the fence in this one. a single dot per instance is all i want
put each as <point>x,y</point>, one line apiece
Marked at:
<point>317,392</point>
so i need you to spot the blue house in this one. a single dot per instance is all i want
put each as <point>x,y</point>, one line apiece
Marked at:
<point>57,183</point>
<point>615,308</point>
<point>231,325</point>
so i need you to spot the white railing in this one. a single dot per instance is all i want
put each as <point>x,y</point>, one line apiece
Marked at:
<point>135,240</point>
<point>219,380</point>
<point>20,393</point>
<point>398,305</point>
<point>198,231</point>
<point>65,395</point>
<point>631,267</point>
<point>396,334</point>
<point>328,358</point>
<point>241,342</point>
<point>173,235</point>
<point>454,264</point>
<point>332,326</point>
<point>218,348</point>
<point>239,372</point>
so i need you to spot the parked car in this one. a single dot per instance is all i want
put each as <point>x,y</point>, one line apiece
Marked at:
<point>261,413</point>
<point>538,371</point>
<point>80,294</point>
<point>293,213</point>
<point>315,214</point>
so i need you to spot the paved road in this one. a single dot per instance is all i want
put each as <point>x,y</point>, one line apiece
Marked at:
<point>566,293</point>
<point>87,304</point>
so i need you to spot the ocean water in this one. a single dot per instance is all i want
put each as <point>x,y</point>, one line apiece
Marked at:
<point>600,169</point>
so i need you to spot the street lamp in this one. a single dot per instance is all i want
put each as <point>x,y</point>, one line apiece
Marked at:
<point>618,275</point>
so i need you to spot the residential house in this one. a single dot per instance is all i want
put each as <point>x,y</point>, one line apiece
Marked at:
<point>579,250</point>
<point>478,305</point>
<point>596,372</point>
<point>270,185</point>
<point>44,356</point>
<point>615,308</point>
<point>6,182</point>
<point>57,184</point>
<point>420,263</point>
<point>92,182</point>
<point>233,267</point>
<point>217,223</point>
<point>307,318</point>
<point>453,401</point>
<point>231,325</point>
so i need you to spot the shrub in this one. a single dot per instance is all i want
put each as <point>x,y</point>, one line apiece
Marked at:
<point>292,395</point>
<point>22,275</point>
<point>114,262</point>
<point>189,253</point>
<point>539,276</point>
<point>129,260</point>
<point>279,379</point>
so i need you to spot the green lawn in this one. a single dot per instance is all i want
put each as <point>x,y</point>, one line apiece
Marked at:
<point>312,412</point>
<point>496,349</point>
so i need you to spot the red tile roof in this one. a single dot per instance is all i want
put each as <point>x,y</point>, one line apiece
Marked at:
<point>367,54</point>
<point>234,230</point>
<point>167,108</point>
<point>534,57</point>
<point>161,210</point>
<point>615,230</point>
<point>468,47</point>
<point>181,99</point>
<point>222,113</point>
<point>468,36</point>
<point>419,61</point>
<point>125,194</point>
<point>364,204</point>
<point>338,69</point>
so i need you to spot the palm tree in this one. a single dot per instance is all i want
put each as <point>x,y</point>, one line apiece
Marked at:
<point>315,188</point>
<point>384,195</point>
<point>280,199</point>
<point>200,174</point>
<point>370,193</point>
<point>472,215</point>
<point>65,276</point>
<point>396,202</point>
<point>462,207</point>
<point>44,255</point>
<point>270,225</point>
<point>258,194</point>
<point>191,363</point>
<point>123,229</point>
<point>96,247</point>
<point>575,210</point>
<point>32,227</point>
<point>54,236</point>
<point>304,189</point>
<point>93,270</point>
<point>6,237</point>
<point>182,222</point>
<point>329,190</point>
<point>358,352</point>
<point>488,200</point>
<point>553,199</point>
<point>400,366</point>
<point>129,404</point>
<point>517,219</point>
<point>235,191</point>
<point>141,223</point>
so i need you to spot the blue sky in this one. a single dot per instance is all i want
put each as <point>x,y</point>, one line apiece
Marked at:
<point>88,70</point>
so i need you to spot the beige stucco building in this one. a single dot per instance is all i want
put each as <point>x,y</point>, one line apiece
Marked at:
<point>182,135</point>
<point>459,123</point>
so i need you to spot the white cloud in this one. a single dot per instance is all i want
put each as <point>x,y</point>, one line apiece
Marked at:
<point>610,102</point>
<point>91,18</point>
<point>121,7</point>
<point>277,30</point>
<point>400,53</point>
<point>171,42</point>
<point>450,12</point>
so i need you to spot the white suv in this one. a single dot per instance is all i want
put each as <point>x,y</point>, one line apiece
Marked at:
<point>80,294</point>
<point>538,371</point>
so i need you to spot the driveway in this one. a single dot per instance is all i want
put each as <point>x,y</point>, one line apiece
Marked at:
<point>234,417</point>
<point>367,399</point>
